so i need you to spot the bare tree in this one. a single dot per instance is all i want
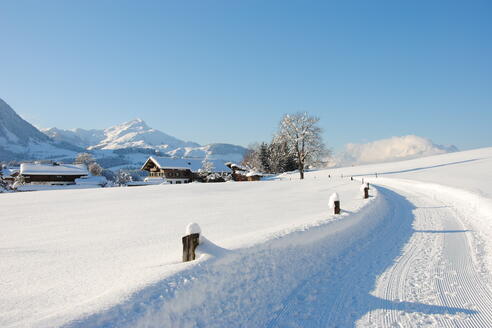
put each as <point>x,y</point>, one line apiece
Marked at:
<point>303,136</point>
<point>84,158</point>
<point>95,169</point>
<point>252,157</point>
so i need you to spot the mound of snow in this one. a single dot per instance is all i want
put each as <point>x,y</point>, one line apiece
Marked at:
<point>392,149</point>
<point>193,228</point>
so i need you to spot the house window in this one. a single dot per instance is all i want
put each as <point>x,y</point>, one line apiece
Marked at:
<point>178,182</point>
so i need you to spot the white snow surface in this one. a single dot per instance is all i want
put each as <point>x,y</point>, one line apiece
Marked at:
<point>417,253</point>
<point>67,254</point>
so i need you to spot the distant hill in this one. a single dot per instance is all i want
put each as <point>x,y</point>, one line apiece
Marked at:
<point>129,143</point>
<point>20,140</point>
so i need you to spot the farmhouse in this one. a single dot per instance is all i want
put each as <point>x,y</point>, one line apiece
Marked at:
<point>180,170</point>
<point>52,174</point>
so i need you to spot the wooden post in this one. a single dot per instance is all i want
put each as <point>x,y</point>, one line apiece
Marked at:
<point>366,192</point>
<point>337,206</point>
<point>351,178</point>
<point>190,243</point>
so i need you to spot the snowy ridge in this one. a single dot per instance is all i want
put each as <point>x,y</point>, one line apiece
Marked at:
<point>21,140</point>
<point>78,137</point>
<point>137,134</point>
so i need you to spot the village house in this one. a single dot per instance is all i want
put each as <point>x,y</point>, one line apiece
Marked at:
<point>180,170</point>
<point>52,174</point>
<point>241,173</point>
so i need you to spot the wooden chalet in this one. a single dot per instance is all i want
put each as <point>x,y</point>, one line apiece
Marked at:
<point>179,170</point>
<point>52,174</point>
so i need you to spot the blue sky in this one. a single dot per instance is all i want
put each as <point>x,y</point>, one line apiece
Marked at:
<point>226,71</point>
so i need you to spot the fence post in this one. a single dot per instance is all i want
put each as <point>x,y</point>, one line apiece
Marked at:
<point>337,206</point>
<point>366,192</point>
<point>191,241</point>
<point>335,202</point>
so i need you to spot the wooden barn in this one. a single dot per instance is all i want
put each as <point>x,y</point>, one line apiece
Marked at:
<point>179,170</point>
<point>52,174</point>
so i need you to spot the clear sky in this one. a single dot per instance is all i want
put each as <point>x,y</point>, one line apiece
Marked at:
<point>226,71</point>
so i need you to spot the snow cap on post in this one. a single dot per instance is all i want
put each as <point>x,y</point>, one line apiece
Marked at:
<point>193,228</point>
<point>333,198</point>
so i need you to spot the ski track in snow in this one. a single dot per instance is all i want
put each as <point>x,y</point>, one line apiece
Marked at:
<point>432,283</point>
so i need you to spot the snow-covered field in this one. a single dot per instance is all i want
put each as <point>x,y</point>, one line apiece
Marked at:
<point>417,253</point>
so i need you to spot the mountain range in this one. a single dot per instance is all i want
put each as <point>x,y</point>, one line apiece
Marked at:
<point>124,145</point>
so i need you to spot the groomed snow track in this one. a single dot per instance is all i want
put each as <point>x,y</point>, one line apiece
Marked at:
<point>433,281</point>
<point>406,262</point>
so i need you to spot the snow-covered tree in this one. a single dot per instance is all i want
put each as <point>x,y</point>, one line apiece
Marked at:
<point>123,177</point>
<point>95,169</point>
<point>207,166</point>
<point>303,136</point>
<point>281,158</point>
<point>264,154</point>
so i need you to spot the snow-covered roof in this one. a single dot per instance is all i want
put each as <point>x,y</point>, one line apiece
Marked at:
<point>50,169</point>
<point>253,173</point>
<point>238,167</point>
<point>193,164</point>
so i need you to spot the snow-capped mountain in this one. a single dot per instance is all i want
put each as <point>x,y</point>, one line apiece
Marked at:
<point>131,142</point>
<point>20,140</point>
<point>79,137</point>
<point>137,134</point>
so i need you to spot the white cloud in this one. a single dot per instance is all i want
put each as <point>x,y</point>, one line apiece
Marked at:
<point>391,149</point>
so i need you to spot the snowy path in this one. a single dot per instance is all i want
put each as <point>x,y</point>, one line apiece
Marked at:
<point>432,282</point>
